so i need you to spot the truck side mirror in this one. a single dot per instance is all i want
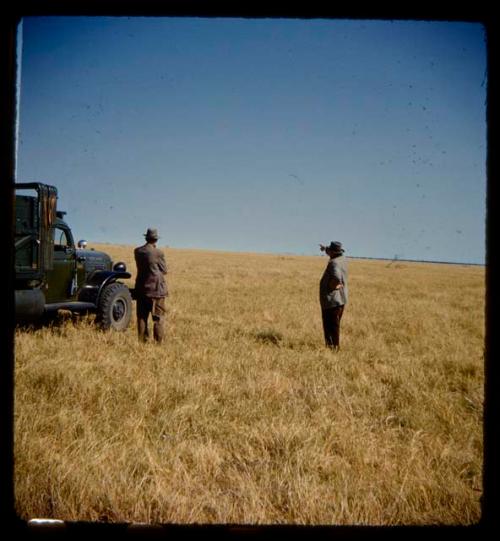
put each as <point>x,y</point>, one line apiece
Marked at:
<point>82,244</point>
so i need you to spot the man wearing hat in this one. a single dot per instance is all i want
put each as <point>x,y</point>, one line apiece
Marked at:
<point>333,293</point>
<point>150,287</point>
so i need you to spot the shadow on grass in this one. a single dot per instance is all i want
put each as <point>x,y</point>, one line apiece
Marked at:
<point>275,338</point>
<point>54,319</point>
<point>270,337</point>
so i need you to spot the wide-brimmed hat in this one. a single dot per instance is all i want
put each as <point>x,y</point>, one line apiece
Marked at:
<point>151,234</point>
<point>335,247</point>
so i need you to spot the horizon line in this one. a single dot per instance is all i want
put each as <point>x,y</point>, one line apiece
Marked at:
<point>294,254</point>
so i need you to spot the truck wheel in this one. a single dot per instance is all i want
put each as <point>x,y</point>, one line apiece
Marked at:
<point>115,307</point>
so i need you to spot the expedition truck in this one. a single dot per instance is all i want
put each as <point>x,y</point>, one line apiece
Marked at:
<point>52,274</point>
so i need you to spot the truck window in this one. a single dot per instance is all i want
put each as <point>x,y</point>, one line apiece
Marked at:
<point>61,241</point>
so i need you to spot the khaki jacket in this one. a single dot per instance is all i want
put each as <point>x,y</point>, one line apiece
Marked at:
<point>151,271</point>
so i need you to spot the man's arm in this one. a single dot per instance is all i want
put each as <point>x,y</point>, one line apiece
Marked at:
<point>162,263</point>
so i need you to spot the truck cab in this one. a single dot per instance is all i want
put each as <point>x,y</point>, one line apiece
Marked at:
<point>64,273</point>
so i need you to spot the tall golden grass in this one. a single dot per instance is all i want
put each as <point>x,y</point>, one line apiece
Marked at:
<point>243,416</point>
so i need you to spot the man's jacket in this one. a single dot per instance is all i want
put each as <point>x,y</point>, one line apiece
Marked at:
<point>151,269</point>
<point>335,272</point>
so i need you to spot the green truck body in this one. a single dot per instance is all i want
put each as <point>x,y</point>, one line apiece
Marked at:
<point>52,273</point>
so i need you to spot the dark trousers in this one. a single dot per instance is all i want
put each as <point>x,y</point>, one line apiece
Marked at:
<point>155,307</point>
<point>331,325</point>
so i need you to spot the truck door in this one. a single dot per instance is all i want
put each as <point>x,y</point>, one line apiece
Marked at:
<point>61,279</point>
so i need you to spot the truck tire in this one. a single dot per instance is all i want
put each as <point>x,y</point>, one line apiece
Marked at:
<point>115,307</point>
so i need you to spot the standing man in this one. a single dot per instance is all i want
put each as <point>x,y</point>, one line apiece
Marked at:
<point>150,287</point>
<point>333,293</point>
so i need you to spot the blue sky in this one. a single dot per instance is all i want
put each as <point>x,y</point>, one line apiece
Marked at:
<point>261,135</point>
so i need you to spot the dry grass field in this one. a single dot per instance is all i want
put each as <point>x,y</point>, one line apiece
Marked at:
<point>243,416</point>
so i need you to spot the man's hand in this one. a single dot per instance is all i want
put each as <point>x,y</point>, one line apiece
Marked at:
<point>334,284</point>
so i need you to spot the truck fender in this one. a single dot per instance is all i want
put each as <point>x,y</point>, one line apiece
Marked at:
<point>98,280</point>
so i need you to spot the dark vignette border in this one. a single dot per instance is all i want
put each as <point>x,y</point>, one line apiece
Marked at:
<point>9,19</point>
